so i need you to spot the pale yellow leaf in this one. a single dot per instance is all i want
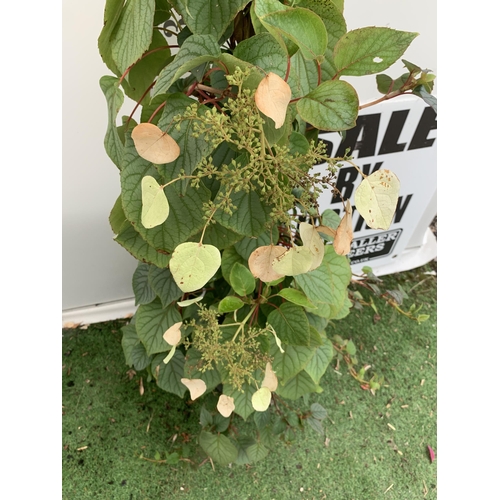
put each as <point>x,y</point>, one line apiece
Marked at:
<point>196,386</point>
<point>377,197</point>
<point>168,357</point>
<point>270,379</point>
<point>261,399</point>
<point>225,405</point>
<point>272,97</point>
<point>312,240</point>
<point>343,238</point>
<point>154,145</point>
<point>296,260</point>
<point>173,335</point>
<point>155,206</point>
<point>260,262</point>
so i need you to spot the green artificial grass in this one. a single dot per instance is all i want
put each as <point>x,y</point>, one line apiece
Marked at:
<point>116,442</point>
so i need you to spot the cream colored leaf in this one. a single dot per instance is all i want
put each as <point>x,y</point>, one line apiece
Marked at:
<point>270,379</point>
<point>186,303</point>
<point>272,97</point>
<point>296,260</point>
<point>155,207</point>
<point>225,405</point>
<point>276,338</point>
<point>261,399</point>
<point>154,145</point>
<point>173,335</point>
<point>377,197</point>
<point>260,262</point>
<point>196,386</point>
<point>343,238</point>
<point>312,240</point>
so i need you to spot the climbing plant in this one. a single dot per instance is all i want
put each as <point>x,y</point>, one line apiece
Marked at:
<point>240,274</point>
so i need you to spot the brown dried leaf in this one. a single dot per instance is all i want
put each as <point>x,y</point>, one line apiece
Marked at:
<point>343,238</point>
<point>327,230</point>
<point>272,97</point>
<point>260,262</point>
<point>154,145</point>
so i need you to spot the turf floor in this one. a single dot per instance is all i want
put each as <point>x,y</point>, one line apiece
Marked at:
<point>115,441</point>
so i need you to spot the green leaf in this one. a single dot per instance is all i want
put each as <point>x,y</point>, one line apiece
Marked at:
<point>265,52</point>
<point>376,198</point>
<point>242,399</point>
<point>242,280</point>
<point>229,257</point>
<point>287,364</point>
<point>428,98</point>
<point>331,106</point>
<point>296,297</point>
<point>155,207</point>
<point>129,341</point>
<point>218,236</point>
<point>197,49</point>
<point>302,26</point>
<point>256,452</point>
<point>230,304</point>
<point>133,242</point>
<point>210,17</point>
<point>316,425</point>
<point>206,418</point>
<point>152,321</point>
<point>296,260</point>
<point>193,264</point>
<point>133,32</point>
<point>290,323</point>
<point>139,357</point>
<point>185,216</point>
<point>251,216</point>
<point>318,411</point>
<point>144,293</point>
<point>218,447</point>
<point>370,50</point>
<point>303,75</point>
<point>142,74</point>
<point>164,285</point>
<point>350,348</point>
<point>117,219</point>
<point>193,369</point>
<point>170,374</point>
<point>114,98</point>
<point>297,386</point>
<point>330,218</point>
<point>112,13</point>
<point>322,357</point>
<point>331,15</point>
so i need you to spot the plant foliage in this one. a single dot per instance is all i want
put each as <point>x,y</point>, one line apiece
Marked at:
<point>239,275</point>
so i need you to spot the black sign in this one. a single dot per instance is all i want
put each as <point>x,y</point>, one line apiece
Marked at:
<point>374,246</point>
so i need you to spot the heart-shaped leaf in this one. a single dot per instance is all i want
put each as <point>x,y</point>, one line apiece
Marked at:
<point>173,335</point>
<point>270,379</point>
<point>260,262</point>
<point>196,386</point>
<point>154,145</point>
<point>377,197</point>
<point>193,264</point>
<point>296,260</point>
<point>155,207</point>
<point>225,405</point>
<point>261,399</point>
<point>272,97</point>
<point>312,240</point>
<point>343,236</point>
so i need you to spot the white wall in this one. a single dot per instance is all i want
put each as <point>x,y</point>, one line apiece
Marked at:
<point>97,270</point>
